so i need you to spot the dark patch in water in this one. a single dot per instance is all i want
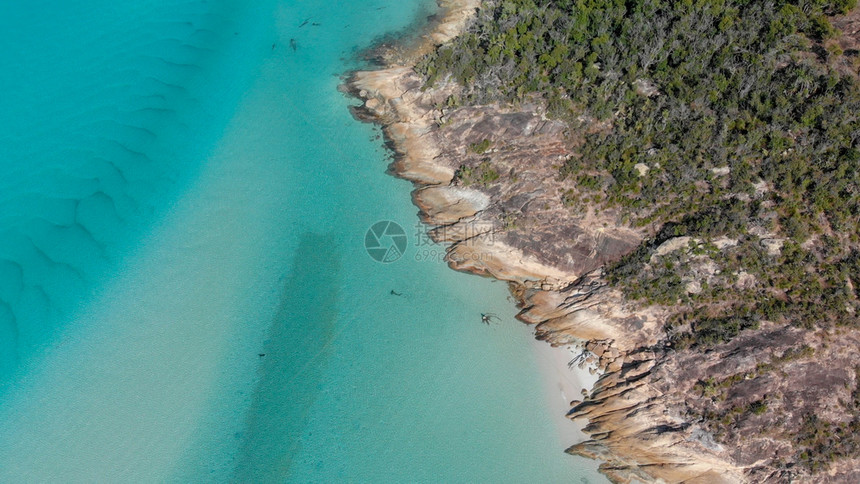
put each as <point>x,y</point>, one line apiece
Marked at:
<point>425,19</point>
<point>290,376</point>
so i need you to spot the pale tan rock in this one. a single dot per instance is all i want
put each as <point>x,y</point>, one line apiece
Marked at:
<point>773,246</point>
<point>725,242</point>
<point>673,244</point>
<point>372,104</point>
<point>693,287</point>
<point>443,205</point>
<point>501,261</point>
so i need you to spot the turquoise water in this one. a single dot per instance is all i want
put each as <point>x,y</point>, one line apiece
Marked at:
<point>184,191</point>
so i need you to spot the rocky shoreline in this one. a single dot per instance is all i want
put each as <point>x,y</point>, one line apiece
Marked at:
<point>478,183</point>
<point>567,307</point>
<point>569,304</point>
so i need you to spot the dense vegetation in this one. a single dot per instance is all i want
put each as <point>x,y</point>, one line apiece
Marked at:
<point>722,120</point>
<point>746,117</point>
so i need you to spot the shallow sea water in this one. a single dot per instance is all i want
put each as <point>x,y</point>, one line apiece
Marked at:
<point>184,191</point>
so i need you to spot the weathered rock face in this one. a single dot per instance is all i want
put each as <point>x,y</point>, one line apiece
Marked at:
<point>521,206</point>
<point>731,414</point>
<point>646,414</point>
<point>512,225</point>
<point>631,414</point>
<point>486,182</point>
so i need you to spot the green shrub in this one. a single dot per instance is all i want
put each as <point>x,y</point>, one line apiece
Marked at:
<point>481,147</point>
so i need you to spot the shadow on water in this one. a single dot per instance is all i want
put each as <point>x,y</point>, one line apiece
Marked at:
<point>292,362</point>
